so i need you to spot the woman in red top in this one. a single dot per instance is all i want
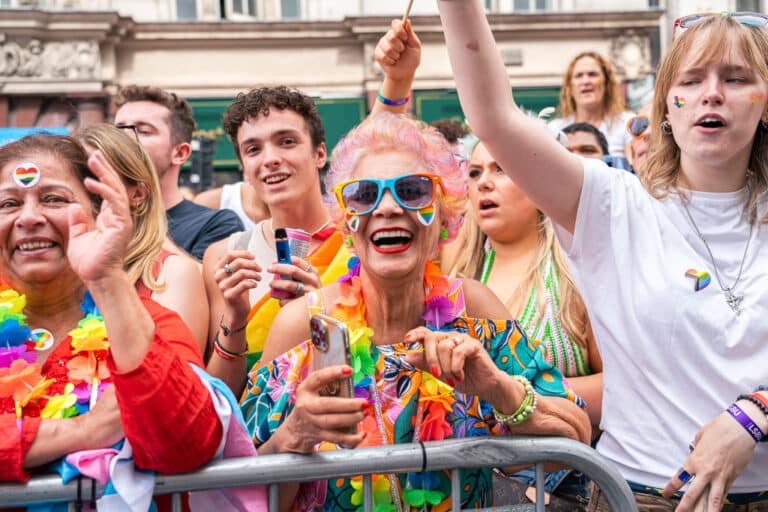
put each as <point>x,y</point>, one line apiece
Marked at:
<point>65,223</point>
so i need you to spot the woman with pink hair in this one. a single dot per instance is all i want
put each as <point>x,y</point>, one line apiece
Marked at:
<point>432,358</point>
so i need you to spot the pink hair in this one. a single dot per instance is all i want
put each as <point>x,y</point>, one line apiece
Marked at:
<point>390,132</point>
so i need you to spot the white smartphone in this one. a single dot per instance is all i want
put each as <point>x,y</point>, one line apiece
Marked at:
<point>330,347</point>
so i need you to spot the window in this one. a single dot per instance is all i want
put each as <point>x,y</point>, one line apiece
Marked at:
<point>748,5</point>
<point>531,5</point>
<point>266,10</point>
<point>186,9</point>
<point>238,9</point>
<point>290,9</point>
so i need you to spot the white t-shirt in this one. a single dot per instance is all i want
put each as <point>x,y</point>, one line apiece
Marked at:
<point>615,132</point>
<point>673,358</point>
<point>232,199</point>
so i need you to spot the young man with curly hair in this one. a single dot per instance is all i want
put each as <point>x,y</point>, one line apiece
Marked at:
<point>280,141</point>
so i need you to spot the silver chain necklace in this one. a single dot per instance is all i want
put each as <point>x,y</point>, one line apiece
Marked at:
<point>733,300</point>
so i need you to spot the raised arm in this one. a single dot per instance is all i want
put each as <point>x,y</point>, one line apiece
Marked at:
<point>165,408</point>
<point>546,172</point>
<point>398,52</point>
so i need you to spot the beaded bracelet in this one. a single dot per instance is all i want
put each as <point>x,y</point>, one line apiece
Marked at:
<point>390,102</point>
<point>225,353</point>
<point>527,406</point>
<point>746,422</point>
<point>762,399</point>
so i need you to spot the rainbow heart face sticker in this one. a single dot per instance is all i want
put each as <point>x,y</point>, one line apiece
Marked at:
<point>678,101</point>
<point>26,175</point>
<point>353,223</point>
<point>702,278</point>
<point>426,215</point>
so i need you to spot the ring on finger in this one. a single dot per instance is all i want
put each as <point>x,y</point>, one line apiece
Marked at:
<point>456,341</point>
<point>308,268</point>
<point>684,476</point>
<point>227,269</point>
<point>299,288</point>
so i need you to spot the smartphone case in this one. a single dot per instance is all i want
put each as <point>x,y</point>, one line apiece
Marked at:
<point>330,347</point>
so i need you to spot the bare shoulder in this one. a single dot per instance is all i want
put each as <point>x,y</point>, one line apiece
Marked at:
<point>181,266</point>
<point>210,198</point>
<point>481,301</point>
<point>214,252</point>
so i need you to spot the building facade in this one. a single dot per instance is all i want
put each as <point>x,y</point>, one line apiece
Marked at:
<point>64,60</point>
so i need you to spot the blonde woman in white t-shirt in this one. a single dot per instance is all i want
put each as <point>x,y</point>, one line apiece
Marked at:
<point>590,94</point>
<point>675,266</point>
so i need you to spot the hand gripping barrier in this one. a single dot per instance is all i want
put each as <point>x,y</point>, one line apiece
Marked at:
<point>272,470</point>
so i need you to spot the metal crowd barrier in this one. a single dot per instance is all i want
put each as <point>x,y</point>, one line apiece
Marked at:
<point>272,470</point>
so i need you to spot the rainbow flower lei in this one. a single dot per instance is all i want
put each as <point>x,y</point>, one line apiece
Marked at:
<point>73,388</point>
<point>435,397</point>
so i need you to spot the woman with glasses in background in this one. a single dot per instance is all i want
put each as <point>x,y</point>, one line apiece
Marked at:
<point>671,266</point>
<point>426,363</point>
<point>590,94</point>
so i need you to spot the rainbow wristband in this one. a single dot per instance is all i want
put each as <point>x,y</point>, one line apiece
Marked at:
<point>745,421</point>
<point>390,102</point>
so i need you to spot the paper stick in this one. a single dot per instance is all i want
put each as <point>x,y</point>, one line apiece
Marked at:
<point>407,11</point>
<point>94,387</point>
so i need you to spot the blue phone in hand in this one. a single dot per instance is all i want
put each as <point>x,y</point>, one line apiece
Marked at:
<point>283,250</point>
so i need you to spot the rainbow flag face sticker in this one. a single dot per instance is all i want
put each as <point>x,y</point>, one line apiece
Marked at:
<point>43,339</point>
<point>702,278</point>
<point>26,175</point>
<point>426,215</point>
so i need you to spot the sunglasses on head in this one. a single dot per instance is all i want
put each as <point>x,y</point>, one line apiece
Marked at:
<point>411,191</point>
<point>749,19</point>
<point>638,126</point>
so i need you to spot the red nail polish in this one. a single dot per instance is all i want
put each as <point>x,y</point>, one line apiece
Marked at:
<point>365,434</point>
<point>346,371</point>
<point>450,382</point>
<point>458,379</point>
<point>367,406</point>
<point>435,370</point>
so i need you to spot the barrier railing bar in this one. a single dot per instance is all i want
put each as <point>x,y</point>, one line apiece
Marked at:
<point>540,500</point>
<point>455,490</point>
<point>367,493</point>
<point>400,458</point>
<point>274,497</point>
<point>176,502</point>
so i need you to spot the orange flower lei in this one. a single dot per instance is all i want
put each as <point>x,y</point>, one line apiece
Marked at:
<point>21,377</point>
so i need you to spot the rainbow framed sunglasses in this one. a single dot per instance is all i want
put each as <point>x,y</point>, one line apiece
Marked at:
<point>637,127</point>
<point>749,19</point>
<point>411,191</point>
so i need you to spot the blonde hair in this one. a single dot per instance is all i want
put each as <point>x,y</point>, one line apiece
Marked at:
<point>128,158</point>
<point>464,256</point>
<point>467,261</point>
<point>613,103</point>
<point>721,35</point>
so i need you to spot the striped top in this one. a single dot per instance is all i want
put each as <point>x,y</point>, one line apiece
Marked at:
<point>562,351</point>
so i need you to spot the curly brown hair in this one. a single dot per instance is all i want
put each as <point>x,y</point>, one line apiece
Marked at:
<point>180,117</point>
<point>613,103</point>
<point>256,102</point>
<point>451,130</point>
